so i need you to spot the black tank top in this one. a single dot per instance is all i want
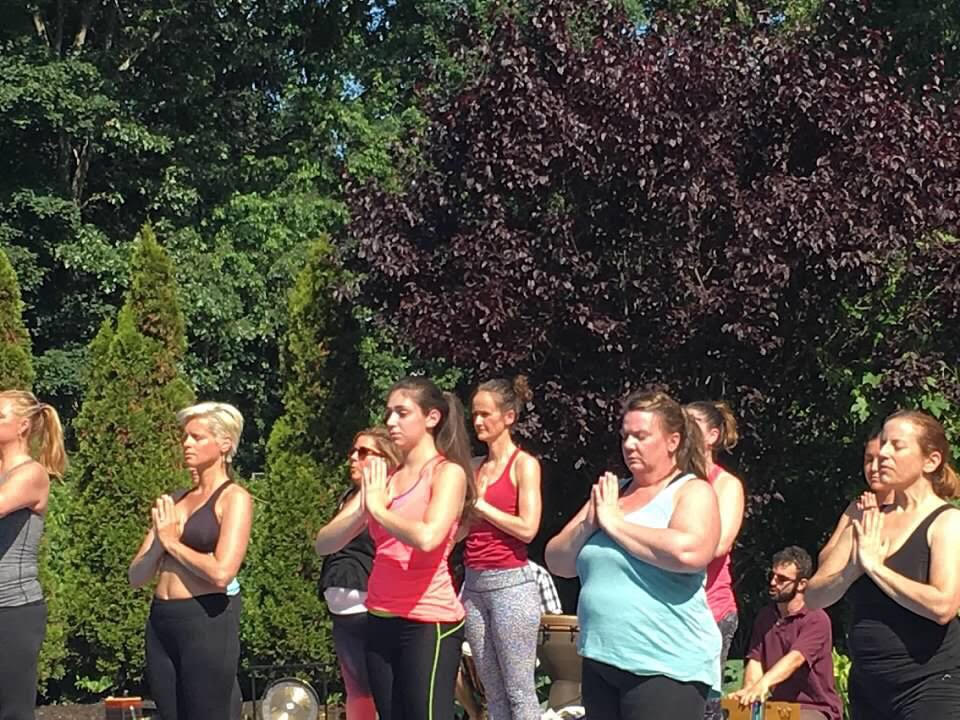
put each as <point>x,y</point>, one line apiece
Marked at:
<point>202,529</point>
<point>350,567</point>
<point>891,642</point>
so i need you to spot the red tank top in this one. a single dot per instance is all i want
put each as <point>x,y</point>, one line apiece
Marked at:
<point>489,547</point>
<point>410,583</point>
<point>720,595</point>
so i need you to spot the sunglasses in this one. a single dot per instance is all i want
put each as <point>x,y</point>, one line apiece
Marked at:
<point>363,453</point>
<point>781,579</point>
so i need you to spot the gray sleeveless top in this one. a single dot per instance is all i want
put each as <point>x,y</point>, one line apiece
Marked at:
<point>20,534</point>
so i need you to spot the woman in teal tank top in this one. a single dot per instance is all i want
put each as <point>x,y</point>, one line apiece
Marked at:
<point>640,547</point>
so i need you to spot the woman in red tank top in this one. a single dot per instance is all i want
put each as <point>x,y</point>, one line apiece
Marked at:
<point>415,620</point>
<point>719,429</point>
<point>500,590</point>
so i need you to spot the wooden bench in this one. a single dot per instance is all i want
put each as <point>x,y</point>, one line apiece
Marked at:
<point>771,710</point>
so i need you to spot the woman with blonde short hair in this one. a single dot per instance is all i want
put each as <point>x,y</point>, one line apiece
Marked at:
<point>195,547</point>
<point>26,425</point>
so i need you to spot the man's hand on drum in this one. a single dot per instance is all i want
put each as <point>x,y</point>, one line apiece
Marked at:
<point>757,692</point>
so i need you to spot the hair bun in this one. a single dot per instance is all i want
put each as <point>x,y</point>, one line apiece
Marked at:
<point>521,388</point>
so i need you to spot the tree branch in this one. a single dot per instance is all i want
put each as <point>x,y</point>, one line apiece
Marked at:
<point>41,28</point>
<point>128,63</point>
<point>58,37</point>
<point>83,166</point>
<point>86,18</point>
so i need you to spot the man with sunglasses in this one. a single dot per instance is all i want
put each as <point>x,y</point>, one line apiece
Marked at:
<point>790,656</point>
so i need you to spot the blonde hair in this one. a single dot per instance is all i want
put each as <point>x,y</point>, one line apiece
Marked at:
<point>223,419</point>
<point>385,445</point>
<point>45,435</point>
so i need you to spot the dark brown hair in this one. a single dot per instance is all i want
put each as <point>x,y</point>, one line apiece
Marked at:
<point>450,434</point>
<point>511,394</point>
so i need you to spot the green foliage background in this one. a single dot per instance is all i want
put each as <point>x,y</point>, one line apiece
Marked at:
<point>237,131</point>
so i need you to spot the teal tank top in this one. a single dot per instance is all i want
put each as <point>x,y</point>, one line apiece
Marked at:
<point>640,618</point>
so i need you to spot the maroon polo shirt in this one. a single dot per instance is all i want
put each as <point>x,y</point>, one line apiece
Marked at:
<point>809,633</point>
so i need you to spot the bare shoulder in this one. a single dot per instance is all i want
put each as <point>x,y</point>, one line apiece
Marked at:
<point>727,480</point>
<point>527,463</point>
<point>697,490</point>
<point>29,473</point>
<point>236,495</point>
<point>449,471</point>
<point>946,526</point>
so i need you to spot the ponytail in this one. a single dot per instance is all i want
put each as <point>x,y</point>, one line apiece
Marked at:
<point>453,442</point>
<point>450,435</point>
<point>718,416</point>
<point>690,454</point>
<point>51,453</point>
<point>947,485</point>
<point>45,436</point>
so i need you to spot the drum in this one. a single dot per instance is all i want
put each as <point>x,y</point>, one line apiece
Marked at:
<point>769,711</point>
<point>557,651</point>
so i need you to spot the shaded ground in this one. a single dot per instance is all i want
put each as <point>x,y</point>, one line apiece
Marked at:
<point>96,712</point>
<point>70,712</point>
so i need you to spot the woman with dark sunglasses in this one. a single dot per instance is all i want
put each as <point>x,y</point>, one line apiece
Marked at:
<point>349,558</point>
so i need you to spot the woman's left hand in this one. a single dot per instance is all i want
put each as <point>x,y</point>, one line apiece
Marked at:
<point>374,487</point>
<point>871,546</point>
<point>606,494</point>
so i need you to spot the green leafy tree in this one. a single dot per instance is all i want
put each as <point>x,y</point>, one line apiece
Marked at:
<point>16,365</point>
<point>324,404</point>
<point>127,454</point>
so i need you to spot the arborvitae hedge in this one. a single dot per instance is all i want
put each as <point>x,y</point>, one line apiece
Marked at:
<point>128,453</point>
<point>285,618</point>
<point>16,364</point>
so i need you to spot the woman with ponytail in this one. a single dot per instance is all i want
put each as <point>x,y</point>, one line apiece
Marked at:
<point>415,625</point>
<point>718,427</point>
<point>641,547</point>
<point>897,565</point>
<point>31,450</point>
<point>500,589</point>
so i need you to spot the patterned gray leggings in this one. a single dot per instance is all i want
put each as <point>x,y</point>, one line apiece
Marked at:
<point>728,628</point>
<point>502,624</point>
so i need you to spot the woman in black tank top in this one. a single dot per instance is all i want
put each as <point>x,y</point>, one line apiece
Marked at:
<point>195,548</point>
<point>899,568</point>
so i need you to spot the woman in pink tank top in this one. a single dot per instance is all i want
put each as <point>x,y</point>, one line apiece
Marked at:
<point>415,618</point>
<point>719,429</point>
<point>500,590</point>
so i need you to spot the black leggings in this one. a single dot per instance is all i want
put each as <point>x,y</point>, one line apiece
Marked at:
<point>610,693</point>
<point>192,653</point>
<point>236,697</point>
<point>412,667</point>
<point>934,698</point>
<point>21,634</point>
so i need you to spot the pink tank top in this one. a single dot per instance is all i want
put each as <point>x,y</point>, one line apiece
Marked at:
<point>489,547</point>
<point>720,595</point>
<point>410,583</point>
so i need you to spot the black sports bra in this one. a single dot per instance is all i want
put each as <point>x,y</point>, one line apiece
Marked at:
<point>202,529</point>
